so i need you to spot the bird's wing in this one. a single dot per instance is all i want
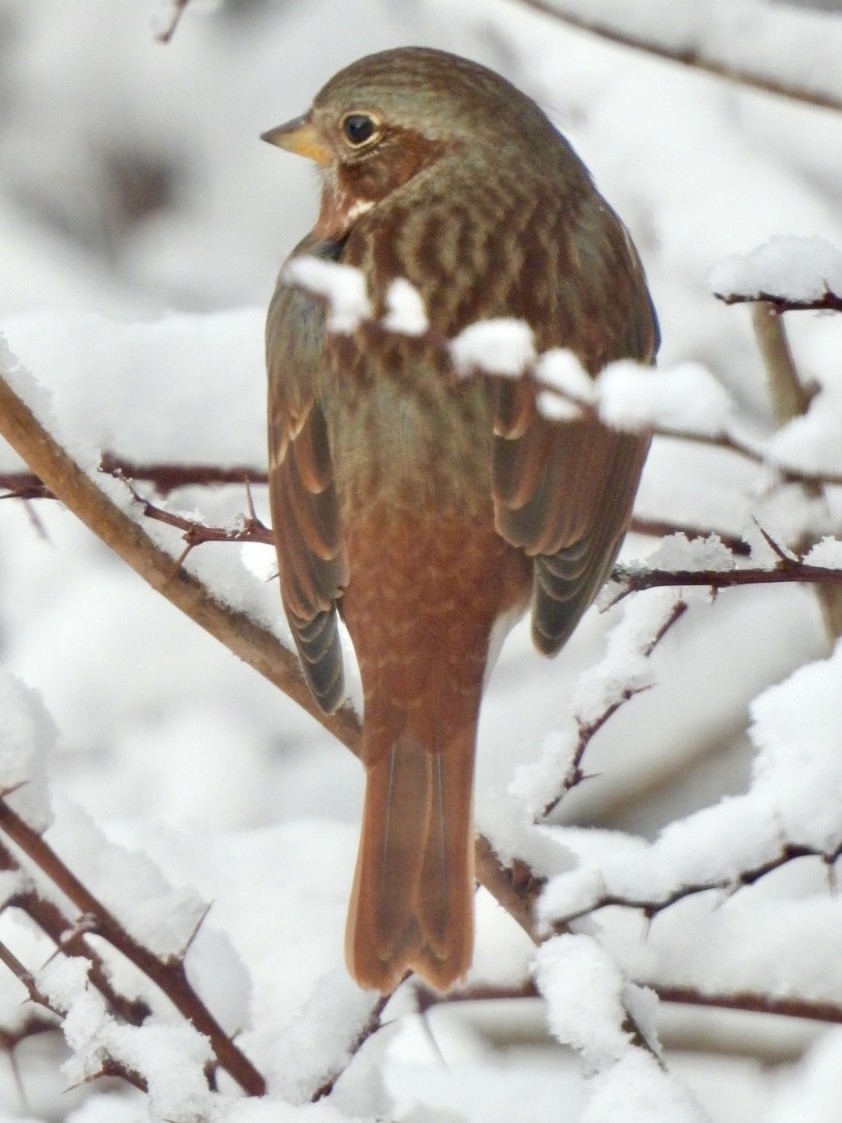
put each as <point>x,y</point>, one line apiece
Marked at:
<point>563,491</point>
<point>302,493</point>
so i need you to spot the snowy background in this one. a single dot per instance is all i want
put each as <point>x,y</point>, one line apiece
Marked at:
<point>141,226</point>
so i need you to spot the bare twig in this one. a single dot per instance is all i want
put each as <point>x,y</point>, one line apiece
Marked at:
<point>751,1001</point>
<point>176,12</point>
<point>687,56</point>
<point>167,477</point>
<point>790,1007</point>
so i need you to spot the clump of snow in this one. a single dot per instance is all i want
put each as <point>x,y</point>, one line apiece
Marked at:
<point>27,735</point>
<point>584,991</point>
<point>795,269</point>
<point>686,398</point>
<point>812,442</point>
<point>510,827</point>
<point>317,1045</point>
<point>565,382</point>
<point>679,554</point>
<point>588,1004</point>
<point>128,884</point>
<point>405,312</point>
<point>170,1058</point>
<point>638,1090</point>
<point>502,346</point>
<point>826,554</point>
<point>342,286</point>
<point>797,728</point>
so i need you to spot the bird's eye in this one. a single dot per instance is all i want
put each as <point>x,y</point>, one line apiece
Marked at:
<point>359,129</point>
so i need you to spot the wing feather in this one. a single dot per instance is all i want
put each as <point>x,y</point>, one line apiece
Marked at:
<point>563,491</point>
<point>302,494</point>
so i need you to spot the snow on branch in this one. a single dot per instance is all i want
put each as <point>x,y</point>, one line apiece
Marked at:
<point>600,692</point>
<point>625,395</point>
<point>791,811</point>
<point>145,905</point>
<point>789,273</point>
<point>681,562</point>
<point>593,1008</point>
<point>765,46</point>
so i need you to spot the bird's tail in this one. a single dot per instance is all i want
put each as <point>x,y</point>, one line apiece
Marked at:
<point>412,903</point>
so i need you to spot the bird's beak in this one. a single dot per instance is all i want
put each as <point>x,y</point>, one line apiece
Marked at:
<point>301,137</point>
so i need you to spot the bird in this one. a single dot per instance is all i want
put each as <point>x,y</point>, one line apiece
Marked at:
<point>426,511</point>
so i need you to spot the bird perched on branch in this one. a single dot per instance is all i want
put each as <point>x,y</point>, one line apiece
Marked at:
<point>428,511</point>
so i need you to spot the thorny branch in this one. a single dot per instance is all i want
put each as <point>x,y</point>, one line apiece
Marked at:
<point>650,907</point>
<point>587,730</point>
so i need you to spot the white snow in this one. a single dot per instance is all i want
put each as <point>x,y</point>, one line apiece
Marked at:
<point>795,269</point>
<point>501,346</point>
<point>584,992</point>
<point>405,312</point>
<point>137,317</point>
<point>564,377</point>
<point>686,398</point>
<point>588,1000</point>
<point>342,286</point>
<point>677,553</point>
<point>27,737</point>
<point>826,553</point>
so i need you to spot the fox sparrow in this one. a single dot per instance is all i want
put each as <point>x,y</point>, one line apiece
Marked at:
<point>430,512</point>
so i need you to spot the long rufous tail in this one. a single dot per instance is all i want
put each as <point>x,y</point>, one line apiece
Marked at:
<point>412,904</point>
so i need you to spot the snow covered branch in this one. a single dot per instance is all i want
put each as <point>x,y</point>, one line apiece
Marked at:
<point>790,274</point>
<point>677,569</point>
<point>600,693</point>
<point>167,972</point>
<point>729,884</point>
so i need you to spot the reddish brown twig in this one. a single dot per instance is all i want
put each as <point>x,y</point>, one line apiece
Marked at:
<point>635,578</point>
<point>828,302</point>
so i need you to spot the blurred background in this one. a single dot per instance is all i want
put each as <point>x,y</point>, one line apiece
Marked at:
<point>142,223</point>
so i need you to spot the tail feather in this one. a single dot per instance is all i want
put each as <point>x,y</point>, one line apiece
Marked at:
<point>412,900</point>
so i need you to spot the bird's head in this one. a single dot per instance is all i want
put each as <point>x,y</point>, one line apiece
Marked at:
<point>389,116</point>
